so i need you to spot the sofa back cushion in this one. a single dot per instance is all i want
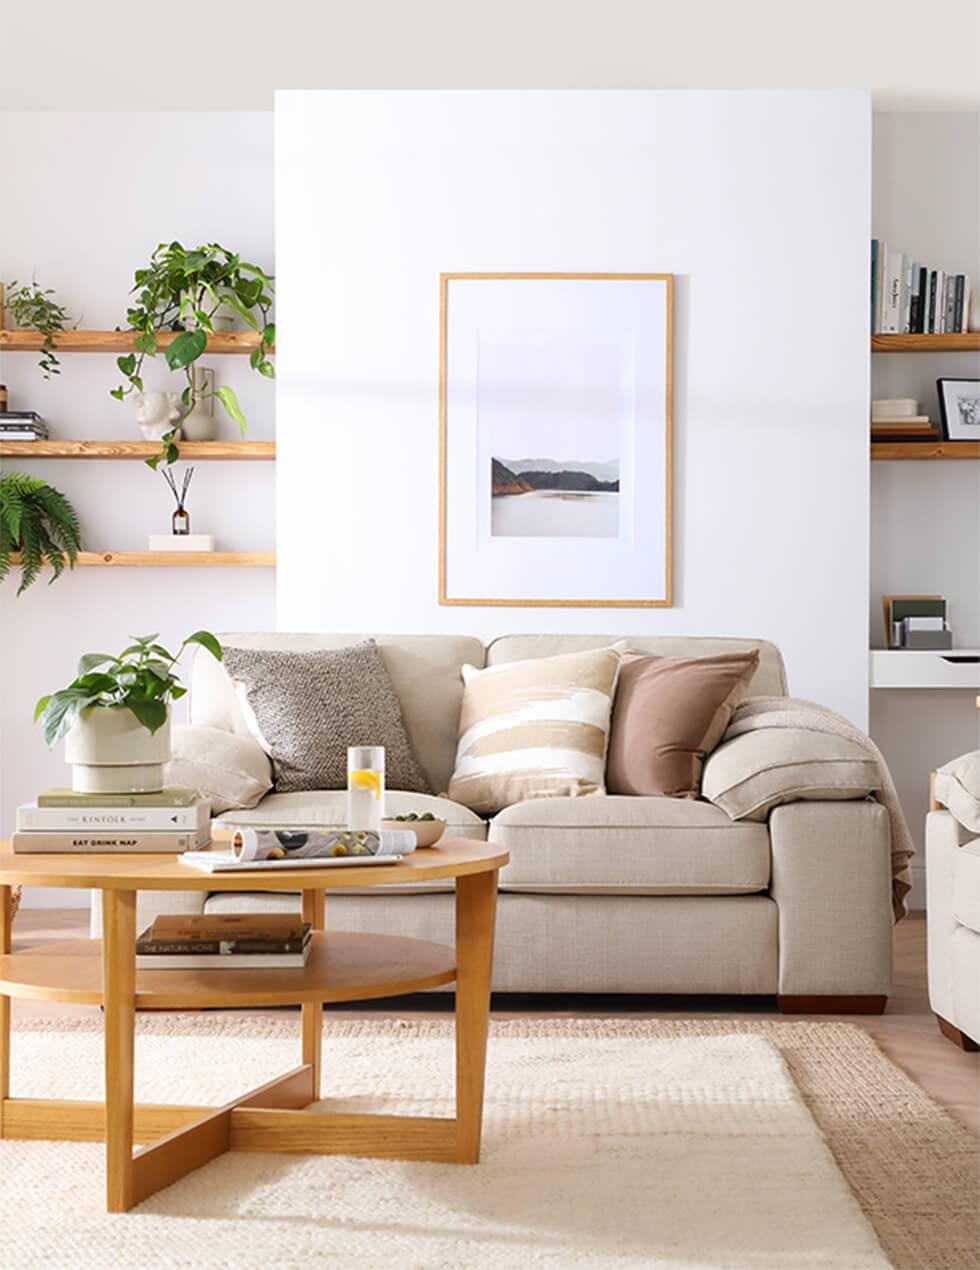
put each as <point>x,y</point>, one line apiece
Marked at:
<point>768,681</point>
<point>424,669</point>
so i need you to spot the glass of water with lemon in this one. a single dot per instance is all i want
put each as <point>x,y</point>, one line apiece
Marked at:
<point>365,787</point>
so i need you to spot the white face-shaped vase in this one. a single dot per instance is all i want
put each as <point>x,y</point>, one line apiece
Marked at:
<point>156,413</point>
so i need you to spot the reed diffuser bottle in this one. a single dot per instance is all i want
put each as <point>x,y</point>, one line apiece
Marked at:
<point>181,520</point>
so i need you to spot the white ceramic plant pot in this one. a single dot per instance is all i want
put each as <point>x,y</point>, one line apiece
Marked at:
<point>112,753</point>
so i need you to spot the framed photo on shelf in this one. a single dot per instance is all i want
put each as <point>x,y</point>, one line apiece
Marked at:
<point>959,408</point>
<point>555,439</point>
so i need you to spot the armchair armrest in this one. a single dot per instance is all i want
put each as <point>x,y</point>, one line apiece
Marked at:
<point>231,771</point>
<point>753,773</point>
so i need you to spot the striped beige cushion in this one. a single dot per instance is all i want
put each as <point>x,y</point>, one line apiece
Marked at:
<point>534,729</point>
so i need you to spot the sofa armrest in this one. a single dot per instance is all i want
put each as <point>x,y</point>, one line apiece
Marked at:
<point>831,880</point>
<point>753,773</point>
<point>944,837</point>
<point>231,771</point>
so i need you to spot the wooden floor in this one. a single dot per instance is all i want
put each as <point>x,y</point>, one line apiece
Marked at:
<point>907,1032</point>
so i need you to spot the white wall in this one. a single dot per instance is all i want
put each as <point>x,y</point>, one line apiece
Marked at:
<point>911,55</point>
<point>757,202</point>
<point>925,517</point>
<point>86,198</point>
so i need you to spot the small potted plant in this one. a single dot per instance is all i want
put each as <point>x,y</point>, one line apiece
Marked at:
<point>115,716</point>
<point>37,521</point>
<point>33,308</point>
<point>190,291</point>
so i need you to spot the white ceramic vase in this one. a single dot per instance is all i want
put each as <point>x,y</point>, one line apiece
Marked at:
<point>112,753</point>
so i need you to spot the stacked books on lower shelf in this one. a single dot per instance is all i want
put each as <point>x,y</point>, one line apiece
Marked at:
<point>220,941</point>
<point>60,821</point>
<point>899,419</point>
<point>22,425</point>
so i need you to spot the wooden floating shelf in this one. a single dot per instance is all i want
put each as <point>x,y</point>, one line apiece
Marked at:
<point>966,342</point>
<point>14,341</point>
<point>174,559</point>
<point>196,450</point>
<point>925,450</point>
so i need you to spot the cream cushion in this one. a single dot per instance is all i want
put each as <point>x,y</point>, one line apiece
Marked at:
<point>230,771</point>
<point>534,729</point>
<point>627,845</point>
<point>753,773</point>
<point>957,787</point>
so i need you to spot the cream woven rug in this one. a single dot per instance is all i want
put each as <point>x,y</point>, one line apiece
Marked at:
<point>607,1143</point>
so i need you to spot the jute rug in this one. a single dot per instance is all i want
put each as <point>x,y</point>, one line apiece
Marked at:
<point>607,1143</point>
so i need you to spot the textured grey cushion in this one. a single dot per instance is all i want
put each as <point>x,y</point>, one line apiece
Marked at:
<point>310,706</point>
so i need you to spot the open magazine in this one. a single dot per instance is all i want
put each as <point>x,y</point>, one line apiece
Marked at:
<point>303,848</point>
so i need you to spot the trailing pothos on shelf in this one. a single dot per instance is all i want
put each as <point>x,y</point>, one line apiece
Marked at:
<point>184,291</point>
<point>33,309</point>
<point>39,522</point>
<point>143,679</point>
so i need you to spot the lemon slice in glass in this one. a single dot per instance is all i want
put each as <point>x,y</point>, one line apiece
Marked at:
<point>364,778</point>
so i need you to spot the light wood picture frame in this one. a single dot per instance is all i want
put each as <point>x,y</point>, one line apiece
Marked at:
<point>574,374</point>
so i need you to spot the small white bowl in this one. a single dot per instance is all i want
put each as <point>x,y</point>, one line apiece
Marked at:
<point>427,832</point>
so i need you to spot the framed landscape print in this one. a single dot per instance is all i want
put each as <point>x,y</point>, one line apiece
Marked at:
<point>555,439</point>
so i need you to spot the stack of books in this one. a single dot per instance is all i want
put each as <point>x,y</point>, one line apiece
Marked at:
<point>220,940</point>
<point>22,425</point>
<point>898,419</point>
<point>61,821</point>
<point>910,298</point>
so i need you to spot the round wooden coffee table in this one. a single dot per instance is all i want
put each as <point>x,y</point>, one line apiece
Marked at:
<point>341,967</point>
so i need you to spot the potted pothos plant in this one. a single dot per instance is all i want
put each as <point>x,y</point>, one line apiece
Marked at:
<point>186,291</point>
<point>39,523</point>
<point>115,715</point>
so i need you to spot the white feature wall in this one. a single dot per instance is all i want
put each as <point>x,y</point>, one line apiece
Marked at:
<point>86,199</point>
<point>757,202</point>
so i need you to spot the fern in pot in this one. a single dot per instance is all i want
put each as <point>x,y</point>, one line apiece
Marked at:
<point>115,715</point>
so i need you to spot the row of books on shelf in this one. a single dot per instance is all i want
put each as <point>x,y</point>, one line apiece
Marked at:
<point>22,425</point>
<point>910,298</point>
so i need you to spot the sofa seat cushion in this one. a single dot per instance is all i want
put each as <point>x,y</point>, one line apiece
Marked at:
<point>966,885</point>
<point>615,845</point>
<point>328,807</point>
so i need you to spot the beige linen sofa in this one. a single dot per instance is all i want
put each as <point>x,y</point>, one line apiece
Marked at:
<point>609,894</point>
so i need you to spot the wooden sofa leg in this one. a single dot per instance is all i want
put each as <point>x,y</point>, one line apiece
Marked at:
<point>953,1033</point>
<point>832,1005</point>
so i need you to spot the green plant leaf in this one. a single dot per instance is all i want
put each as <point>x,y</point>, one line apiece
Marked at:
<point>127,364</point>
<point>118,393</point>
<point>242,309</point>
<point>186,348</point>
<point>206,640</point>
<point>146,343</point>
<point>226,394</point>
<point>269,334</point>
<point>267,369</point>
<point>177,692</point>
<point>91,660</point>
<point>151,714</point>
<point>41,706</point>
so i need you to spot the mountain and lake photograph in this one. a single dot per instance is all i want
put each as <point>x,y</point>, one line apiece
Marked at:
<point>554,498</point>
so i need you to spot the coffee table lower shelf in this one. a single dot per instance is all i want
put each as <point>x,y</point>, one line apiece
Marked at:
<point>341,967</point>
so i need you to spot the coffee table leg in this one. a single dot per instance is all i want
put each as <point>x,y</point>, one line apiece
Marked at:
<point>6,921</point>
<point>476,904</point>
<point>313,912</point>
<point>119,993</point>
